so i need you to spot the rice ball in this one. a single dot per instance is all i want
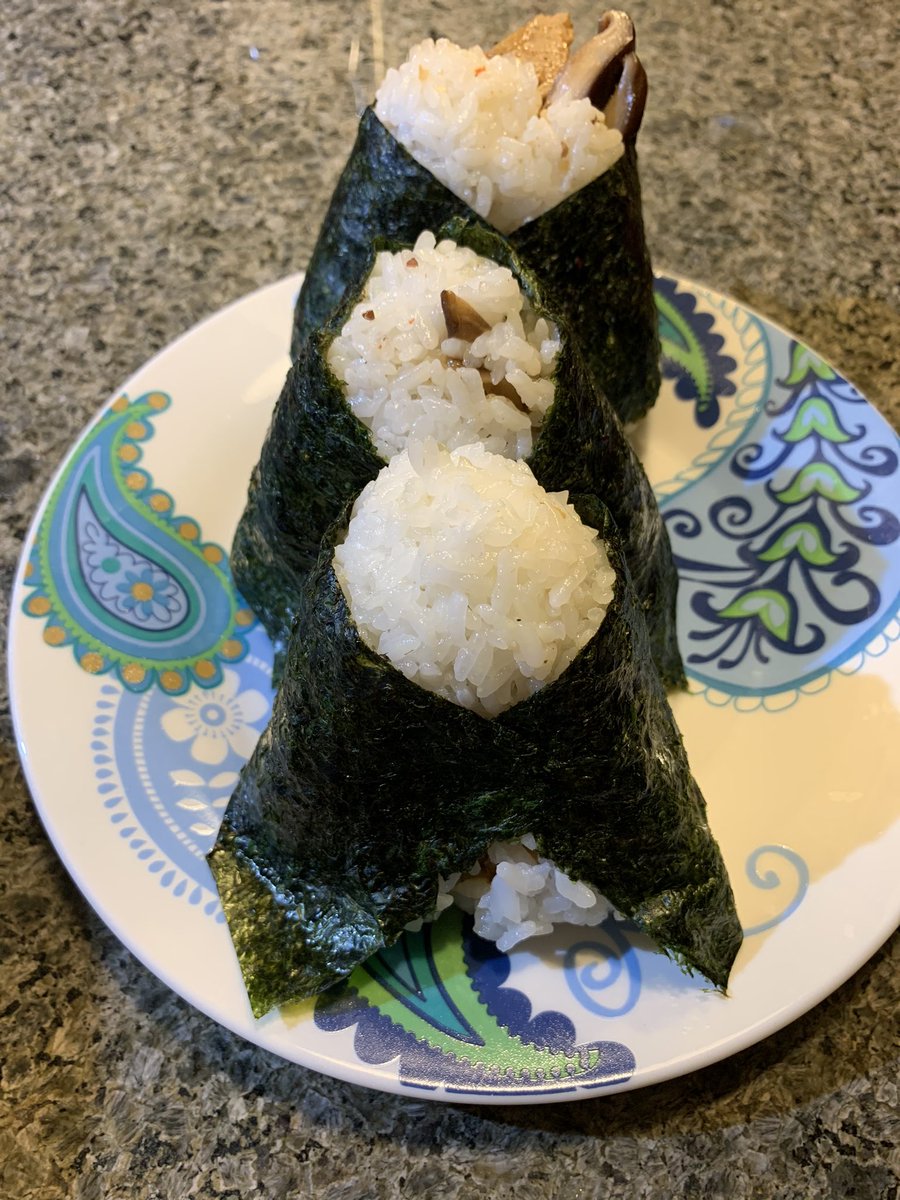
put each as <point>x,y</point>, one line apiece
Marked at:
<point>471,579</point>
<point>410,371</point>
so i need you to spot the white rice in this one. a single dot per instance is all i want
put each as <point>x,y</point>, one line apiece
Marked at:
<point>477,125</point>
<point>517,894</point>
<point>514,893</point>
<point>475,582</point>
<point>405,378</point>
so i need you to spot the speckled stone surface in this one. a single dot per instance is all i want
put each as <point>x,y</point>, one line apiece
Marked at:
<point>160,160</point>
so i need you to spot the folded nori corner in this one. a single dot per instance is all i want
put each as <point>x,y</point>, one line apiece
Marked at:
<point>318,455</point>
<point>589,252</point>
<point>364,788</point>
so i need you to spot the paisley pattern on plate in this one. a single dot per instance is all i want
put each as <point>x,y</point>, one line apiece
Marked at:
<point>717,355</point>
<point>121,579</point>
<point>692,353</point>
<point>781,549</point>
<point>436,1000</point>
<point>782,507</point>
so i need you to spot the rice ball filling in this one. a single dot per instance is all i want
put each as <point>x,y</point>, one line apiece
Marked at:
<point>470,578</point>
<point>444,344</point>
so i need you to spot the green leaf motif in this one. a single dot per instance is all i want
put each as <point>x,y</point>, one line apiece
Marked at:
<point>816,416</point>
<point>803,539</point>
<point>431,997</point>
<point>821,478</point>
<point>804,363</point>
<point>679,344</point>
<point>770,606</point>
<point>408,975</point>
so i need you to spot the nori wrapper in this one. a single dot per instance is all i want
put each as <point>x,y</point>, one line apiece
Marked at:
<point>589,253</point>
<point>365,787</point>
<point>318,455</point>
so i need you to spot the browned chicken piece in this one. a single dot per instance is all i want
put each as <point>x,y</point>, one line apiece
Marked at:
<point>544,42</point>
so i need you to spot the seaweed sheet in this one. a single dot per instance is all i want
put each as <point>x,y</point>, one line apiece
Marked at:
<point>318,455</point>
<point>364,787</point>
<point>589,252</point>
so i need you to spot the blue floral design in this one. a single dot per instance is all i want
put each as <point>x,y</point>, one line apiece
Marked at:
<point>165,789</point>
<point>217,721</point>
<point>148,594</point>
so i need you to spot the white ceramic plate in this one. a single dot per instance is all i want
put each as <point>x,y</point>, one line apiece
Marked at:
<point>139,686</point>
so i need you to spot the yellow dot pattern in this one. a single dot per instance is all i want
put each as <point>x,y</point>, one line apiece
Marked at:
<point>54,636</point>
<point>38,606</point>
<point>133,673</point>
<point>91,662</point>
<point>172,681</point>
<point>160,502</point>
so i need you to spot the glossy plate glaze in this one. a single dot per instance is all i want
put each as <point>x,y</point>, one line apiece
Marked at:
<point>140,683</point>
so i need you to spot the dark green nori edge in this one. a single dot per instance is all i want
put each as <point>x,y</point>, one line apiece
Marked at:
<point>364,787</point>
<point>318,455</point>
<point>589,252</point>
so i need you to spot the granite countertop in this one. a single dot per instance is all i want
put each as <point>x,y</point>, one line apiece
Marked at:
<point>161,160</point>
